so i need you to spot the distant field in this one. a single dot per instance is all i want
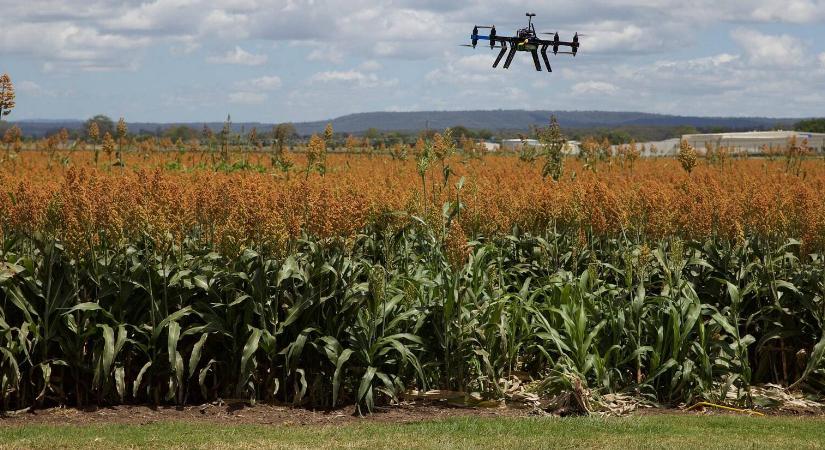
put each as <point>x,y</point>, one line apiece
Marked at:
<point>662,431</point>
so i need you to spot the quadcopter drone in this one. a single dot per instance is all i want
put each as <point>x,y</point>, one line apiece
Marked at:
<point>525,40</point>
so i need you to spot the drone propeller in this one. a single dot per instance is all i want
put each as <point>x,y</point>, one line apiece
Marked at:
<point>579,34</point>
<point>471,46</point>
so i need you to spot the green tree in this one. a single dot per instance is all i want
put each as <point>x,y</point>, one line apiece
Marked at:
<point>372,135</point>
<point>182,132</point>
<point>461,131</point>
<point>811,125</point>
<point>104,125</point>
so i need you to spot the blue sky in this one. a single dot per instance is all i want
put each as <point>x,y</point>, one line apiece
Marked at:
<point>295,60</point>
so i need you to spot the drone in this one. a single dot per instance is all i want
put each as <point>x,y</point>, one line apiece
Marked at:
<point>525,40</point>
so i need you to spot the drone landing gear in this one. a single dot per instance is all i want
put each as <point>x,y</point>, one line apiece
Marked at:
<point>500,54</point>
<point>535,54</point>
<point>510,57</point>
<point>545,58</point>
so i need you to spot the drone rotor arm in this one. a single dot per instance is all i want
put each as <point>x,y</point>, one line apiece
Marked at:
<point>559,43</point>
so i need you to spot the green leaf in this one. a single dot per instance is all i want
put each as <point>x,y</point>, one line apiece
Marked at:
<point>139,379</point>
<point>195,356</point>
<point>172,343</point>
<point>120,382</point>
<point>248,351</point>
<point>366,386</point>
<point>108,349</point>
<point>336,377</point>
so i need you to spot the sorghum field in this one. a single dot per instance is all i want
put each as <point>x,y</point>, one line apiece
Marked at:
<point>326,279</point>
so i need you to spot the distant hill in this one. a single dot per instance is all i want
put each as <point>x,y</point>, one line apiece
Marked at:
<point>495,120</point>
<point>513,120</point>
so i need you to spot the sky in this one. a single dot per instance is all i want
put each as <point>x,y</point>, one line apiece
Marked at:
<point>298,60</point>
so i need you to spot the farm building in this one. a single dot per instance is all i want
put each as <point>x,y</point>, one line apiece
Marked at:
<point>515,145</point>
<point>755,141</point>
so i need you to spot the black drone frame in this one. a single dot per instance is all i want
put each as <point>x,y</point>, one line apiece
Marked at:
<point>526,40</point>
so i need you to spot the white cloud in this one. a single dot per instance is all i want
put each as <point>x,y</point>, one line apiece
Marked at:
<point>594,88</point>
<point>612,35</point>
<point>61,45</point>
<point>327,53</point>
<point>767,50</point>
<point>629,46</point>
<point>794,11</point>
<point>33,89</point>
<point>265,83</point>
<point>371,65</point>
<point>354,77</point>
<point>473,69</point>
<point>247,98</point>
<point>406,29</point>
<point>254,91</point>
<point>238,56</point>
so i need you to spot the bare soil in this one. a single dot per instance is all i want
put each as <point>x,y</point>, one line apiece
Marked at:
<point>240,414</point>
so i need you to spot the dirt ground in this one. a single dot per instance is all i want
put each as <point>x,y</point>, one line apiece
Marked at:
<point>240,413</point>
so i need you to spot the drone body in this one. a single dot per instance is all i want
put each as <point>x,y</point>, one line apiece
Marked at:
<point>525,40</point>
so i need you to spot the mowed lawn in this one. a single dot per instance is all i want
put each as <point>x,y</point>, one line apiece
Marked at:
<point>658,431</point>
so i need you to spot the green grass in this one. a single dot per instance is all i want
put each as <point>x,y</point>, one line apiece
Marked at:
<point>665,431</point>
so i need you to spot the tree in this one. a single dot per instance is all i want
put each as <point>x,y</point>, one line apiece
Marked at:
<point>181,132</point>
<point>371,135</point>
<point>462,132</point>
<point>811,125</point>
<point>6,95</point>
<point>104,124</point>
<point>484,134</point>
